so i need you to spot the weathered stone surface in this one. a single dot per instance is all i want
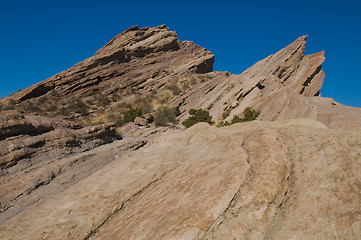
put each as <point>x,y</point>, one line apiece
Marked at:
<point>140,121</point>
<point>285,85</point>
<point>24,136</point>
<point>272,179</point>
<point>126,62</point>
<point>292,179</point>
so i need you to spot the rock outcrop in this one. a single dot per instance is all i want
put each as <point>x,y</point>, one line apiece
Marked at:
<point>28,137</point>
<point>285,85</point>
<point>136,58</point>
<point>151,63</point>
<point>65,173</point>
<point>292,179</point>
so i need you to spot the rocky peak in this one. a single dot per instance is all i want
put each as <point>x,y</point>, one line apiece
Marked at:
<point>270,179</point>
<point>139,42</point>
<point>284,85</point>
<point>129,59</point>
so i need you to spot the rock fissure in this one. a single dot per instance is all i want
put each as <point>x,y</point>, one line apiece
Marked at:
<point>124,204</point>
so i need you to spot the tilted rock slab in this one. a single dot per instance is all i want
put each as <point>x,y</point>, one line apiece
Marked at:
<point>293,179</point>
<point>142,59</point>
<point>285,85</point>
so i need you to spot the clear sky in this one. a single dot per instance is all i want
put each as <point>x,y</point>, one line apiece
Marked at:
<point>41,38</point>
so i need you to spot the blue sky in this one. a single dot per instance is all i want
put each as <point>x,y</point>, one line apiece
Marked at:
<point>41,38</point>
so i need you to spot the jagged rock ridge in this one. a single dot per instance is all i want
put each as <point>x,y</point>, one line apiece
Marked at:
<point>285,85</point>
<point>259,180</point>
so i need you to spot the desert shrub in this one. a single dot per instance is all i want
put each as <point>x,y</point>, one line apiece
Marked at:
<point>118,134</point>
<point>63,111</point>
<point>164,96</point>
<point>115,117</point>
<point>174,88</point>
<point>144,102</point>
<point>77,105</point>
<point>131,114</point>
<point>226,113</point>
<point>101,99</point>
<point>197,116</point>
<point>30,107</point>
<point>164,115</point>
<point>10,105</point>
<point>249,115</point>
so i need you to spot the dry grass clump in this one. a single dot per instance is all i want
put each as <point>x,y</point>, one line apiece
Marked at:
<point>165,115</point>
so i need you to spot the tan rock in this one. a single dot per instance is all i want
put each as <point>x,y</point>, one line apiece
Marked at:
<point>285,85</point>
<point>140,121</point>
<point>23,136</point>
<point>292,179</point>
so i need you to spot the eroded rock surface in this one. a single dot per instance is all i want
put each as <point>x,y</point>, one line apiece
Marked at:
<point>25,137</point>
<point>285,85</point>
<point>270,179</point>
<point>292,179</point>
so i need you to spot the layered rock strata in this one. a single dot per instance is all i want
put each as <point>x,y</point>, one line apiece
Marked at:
<point>24,138</point>
<point>285,85</point>
<point>292,179</point>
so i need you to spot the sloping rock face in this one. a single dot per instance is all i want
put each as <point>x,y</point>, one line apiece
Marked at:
<point>150,62</point>
<point>25,138</point>
<point>136,58</point>
<point>271,179</point>
<point>285,85</point>
<point>293,179</point>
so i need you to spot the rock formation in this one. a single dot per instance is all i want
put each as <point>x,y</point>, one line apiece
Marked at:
<point>29,137</point>
<point>292,179</point>
<point>65,173</point>
<point>285,85</point>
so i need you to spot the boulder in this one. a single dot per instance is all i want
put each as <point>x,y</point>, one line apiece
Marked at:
<point>140,121</point>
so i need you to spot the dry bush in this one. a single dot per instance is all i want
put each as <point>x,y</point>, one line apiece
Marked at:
<point>144,103</point>
<point>165,115</point>
<point>174,88</point>
<point>163,97</point>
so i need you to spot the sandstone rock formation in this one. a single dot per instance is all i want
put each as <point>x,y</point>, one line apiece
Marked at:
<point>285,85</point>
<point>136,61</point>
<point>150,66</point>
<point>292,179</point>
<point>27,137</point>
<point>293,175</point>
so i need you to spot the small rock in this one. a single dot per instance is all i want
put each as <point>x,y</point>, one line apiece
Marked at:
<point>140,121</point>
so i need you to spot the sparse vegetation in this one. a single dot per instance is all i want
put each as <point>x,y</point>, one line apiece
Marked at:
<point>100,99</point>
<point>226,113</point>
<point>165,114</point>
<point>10,105</point>
<point>197,116</point>
<point>77,105</point>
<point>249,115</point>
<point>131,114</point>
<point>144,103</point>
<point>174,88</point>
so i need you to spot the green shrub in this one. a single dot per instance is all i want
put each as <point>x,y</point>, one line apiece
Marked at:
<point>249,115</point>
<point>226,113</point>
<point>131,114</point>
<point>197,116</point>
<point>164,115</point>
